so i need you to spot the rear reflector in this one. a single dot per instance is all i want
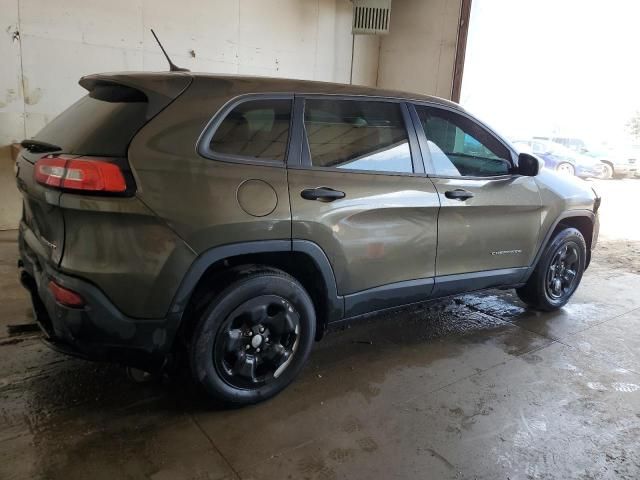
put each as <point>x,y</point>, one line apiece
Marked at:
<point>87,173</point>
<point>65,296</point>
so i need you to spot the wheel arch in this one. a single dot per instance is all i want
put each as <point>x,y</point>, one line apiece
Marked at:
<point>610,163</point>
<point>582,220</point>
<point>302,259</point>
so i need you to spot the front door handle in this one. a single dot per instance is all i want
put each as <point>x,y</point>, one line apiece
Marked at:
<point>458,194</point>
<point>323,194</point>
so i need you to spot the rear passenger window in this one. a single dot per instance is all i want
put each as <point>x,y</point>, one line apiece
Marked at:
<point>255,129</point>
<point>357,135</point>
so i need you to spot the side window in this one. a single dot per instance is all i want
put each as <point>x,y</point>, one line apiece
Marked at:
<point>357,135</point>
<point>460,147</point>
<point>255,129</point>
<point>539,148</point>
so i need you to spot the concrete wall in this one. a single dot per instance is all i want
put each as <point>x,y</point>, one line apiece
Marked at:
<point>46,46</point>
<point>419,53</point>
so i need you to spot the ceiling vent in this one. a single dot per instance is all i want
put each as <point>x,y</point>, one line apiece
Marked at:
<point>371,17</point>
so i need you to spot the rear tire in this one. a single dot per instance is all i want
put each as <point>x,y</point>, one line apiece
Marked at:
<point>558,272</point>
<point>253,337</point>
<point>565,168</point>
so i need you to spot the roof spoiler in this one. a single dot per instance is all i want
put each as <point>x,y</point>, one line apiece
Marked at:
<point>160,89</point>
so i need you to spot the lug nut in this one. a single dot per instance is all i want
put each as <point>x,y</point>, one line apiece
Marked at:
<point>258,349</point>
<point>247,347</point>
<point>261,329</point>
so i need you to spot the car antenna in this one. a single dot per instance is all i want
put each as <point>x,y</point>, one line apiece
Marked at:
<point>172,66</point>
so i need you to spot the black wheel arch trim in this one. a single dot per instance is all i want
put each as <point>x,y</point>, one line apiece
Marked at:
<point>335,302</point>
<point>181,299</point>
<point>548,236</point>
<point>336,306</point>
<point>214,255</point>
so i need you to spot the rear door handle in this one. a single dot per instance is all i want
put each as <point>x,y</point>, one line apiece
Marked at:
<point>323,194</point>
<point>458,194</point>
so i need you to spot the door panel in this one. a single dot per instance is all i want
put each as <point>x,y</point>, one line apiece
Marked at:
<point>490,218</point>
<point>496,228</point>
<point>383,230</point>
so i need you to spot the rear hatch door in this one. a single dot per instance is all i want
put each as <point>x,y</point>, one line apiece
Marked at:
<point>42,221</point>
<point>100,124</point>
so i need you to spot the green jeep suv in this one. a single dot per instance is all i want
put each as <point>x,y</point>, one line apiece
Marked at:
<point>231,219</point>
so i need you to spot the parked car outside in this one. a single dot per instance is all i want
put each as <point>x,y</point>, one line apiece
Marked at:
<point>228,220</point>
<point>619,163</point>
<point>572,143</point>
<point>562,159</point>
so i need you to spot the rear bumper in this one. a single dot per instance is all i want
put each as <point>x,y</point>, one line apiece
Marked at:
<point>97,331</point>
<point>626,170</point>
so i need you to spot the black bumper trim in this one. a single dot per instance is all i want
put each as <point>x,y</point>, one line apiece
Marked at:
<point>98,331</point>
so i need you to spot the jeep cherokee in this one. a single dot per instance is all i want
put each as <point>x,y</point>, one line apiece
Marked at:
<point>231,219</point>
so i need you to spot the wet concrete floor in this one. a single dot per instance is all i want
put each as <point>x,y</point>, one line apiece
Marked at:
<point>471,387</point>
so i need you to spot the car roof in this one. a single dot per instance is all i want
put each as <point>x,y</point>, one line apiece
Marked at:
<point>274,85</point>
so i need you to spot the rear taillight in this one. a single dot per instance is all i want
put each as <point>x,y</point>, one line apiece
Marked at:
<point>87,173</point>
<point>65,296</point>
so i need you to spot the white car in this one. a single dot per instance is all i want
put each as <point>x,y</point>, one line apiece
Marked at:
<point>621,162</point>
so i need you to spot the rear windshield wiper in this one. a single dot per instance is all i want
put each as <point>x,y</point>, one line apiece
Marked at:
<point>36,146</point>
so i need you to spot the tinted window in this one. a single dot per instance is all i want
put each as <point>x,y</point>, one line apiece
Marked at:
<point>100,123</point>
<point>357,135</point>
<point>460,147</point>
<point>255,129</point>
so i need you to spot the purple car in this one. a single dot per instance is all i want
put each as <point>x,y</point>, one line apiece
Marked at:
<point>562,159</point>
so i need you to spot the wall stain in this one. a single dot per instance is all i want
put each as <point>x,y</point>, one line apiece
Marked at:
<point>31,96</point>
<point>10,95</point>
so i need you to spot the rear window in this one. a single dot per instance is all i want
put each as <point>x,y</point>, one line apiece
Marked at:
<point>255,129</point>
<point>100,123</point>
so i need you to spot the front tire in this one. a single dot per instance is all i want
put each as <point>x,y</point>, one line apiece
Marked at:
<point>558,273</point>
<point>254,337</point>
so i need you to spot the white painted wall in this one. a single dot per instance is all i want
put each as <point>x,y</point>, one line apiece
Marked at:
<point>57,42</point>
<point>419,54</point>
<point>46,46</point>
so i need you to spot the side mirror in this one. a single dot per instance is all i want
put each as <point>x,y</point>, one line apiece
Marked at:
<point>529,165</point>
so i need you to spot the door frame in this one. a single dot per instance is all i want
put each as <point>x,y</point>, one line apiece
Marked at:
<point>424,148</point>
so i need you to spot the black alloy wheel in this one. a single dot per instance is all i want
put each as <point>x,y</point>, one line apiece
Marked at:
<point>557,273</point>
<point>257,341</point>
<point>563,271</point>
<point>254,335</point>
